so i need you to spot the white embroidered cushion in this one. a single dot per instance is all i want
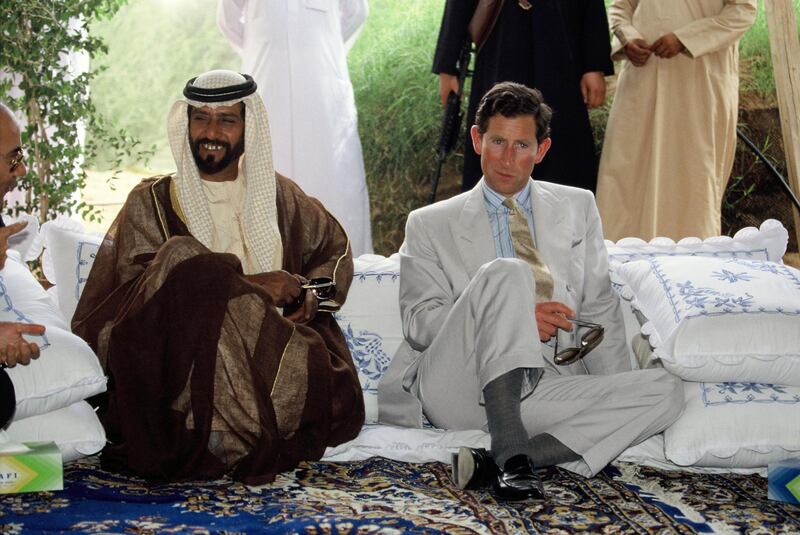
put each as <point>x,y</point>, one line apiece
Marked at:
<point>735,425</point>
<point>75,429</point>
<point>22,297</point>
<point>27,242</point>
<point>67,370</point>
<point>712,319</point>
<point>370,321</point>
<point>68,257</point>
<point>768,242</point>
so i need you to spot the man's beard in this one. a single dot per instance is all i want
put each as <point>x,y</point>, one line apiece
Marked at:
<point>209,166</point>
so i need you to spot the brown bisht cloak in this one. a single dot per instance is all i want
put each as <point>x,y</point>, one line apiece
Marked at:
<point>205,376</point>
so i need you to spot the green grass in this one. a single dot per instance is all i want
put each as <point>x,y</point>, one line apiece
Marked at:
<point>399,111</point>
<point>754,50</point>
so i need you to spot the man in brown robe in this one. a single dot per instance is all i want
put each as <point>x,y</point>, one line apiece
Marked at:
<point>219,361</point>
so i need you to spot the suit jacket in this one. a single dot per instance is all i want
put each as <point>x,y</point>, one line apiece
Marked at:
<point>447,242</point>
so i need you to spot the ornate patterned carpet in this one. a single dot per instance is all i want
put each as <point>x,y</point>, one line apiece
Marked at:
<point>382,496</point>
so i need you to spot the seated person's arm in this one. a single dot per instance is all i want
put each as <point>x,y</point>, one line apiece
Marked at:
<point>326,253</point>
<point>281,285</point>
<point>600,302</point>
<point>426,295</point>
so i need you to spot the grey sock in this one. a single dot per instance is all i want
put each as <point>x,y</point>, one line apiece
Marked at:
<point>502,397</point>
<point>547,450</point>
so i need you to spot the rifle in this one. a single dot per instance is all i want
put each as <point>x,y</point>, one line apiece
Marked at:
<point>451,121</point>
<point>479,28</point>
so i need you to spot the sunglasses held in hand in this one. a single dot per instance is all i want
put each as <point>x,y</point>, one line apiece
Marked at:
<point>324,290</point>
<point>588,341</point>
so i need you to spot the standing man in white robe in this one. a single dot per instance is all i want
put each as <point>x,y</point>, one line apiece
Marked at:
<point>671,135</point>
<point>296,50</point>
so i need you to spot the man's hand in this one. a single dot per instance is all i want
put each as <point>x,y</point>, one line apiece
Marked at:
<point>282,286</point>
<point>637,51</point>
<point>14,349</point>
<point>285,289</point>
<point>551,315</point>
<point>667,46</point>
<point>306,311</point>
<point>593,88</point>
<point>447,83</point>
<point>5,234</point>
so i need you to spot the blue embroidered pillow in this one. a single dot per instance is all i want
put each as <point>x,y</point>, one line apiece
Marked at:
<point>68,258</point>
<point>735,425</point>
<point>370,321</point>
<point>712,319</point>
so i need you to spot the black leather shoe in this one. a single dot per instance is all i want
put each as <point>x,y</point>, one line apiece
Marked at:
<point>473,468</point>
<point>518,481</point>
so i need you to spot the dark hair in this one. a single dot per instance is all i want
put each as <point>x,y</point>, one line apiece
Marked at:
<point>511,99</point>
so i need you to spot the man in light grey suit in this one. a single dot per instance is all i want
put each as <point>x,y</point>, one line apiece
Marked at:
<point>480,322</point>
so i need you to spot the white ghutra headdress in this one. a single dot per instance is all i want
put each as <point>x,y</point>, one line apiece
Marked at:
<point>260,222</point>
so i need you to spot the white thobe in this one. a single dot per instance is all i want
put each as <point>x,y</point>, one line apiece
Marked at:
<point>671,135</point>
<point>296,52</point>
<point>226,202</point>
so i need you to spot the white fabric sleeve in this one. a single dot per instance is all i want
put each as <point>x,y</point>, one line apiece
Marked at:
<point>711,34</point>
<point>620,19</point>
<point>230,21</point>
<point>426,295</point>
<point>353,14</point>
<point>600,302</point>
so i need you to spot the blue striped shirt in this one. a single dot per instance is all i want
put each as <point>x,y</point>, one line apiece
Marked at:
<point>498,218</point>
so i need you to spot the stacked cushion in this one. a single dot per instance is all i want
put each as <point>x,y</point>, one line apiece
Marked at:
<point>735,425</point>
<point>49,391</point>
<point>67,370</point>
<point>724,315</point>
<point>75,429</point>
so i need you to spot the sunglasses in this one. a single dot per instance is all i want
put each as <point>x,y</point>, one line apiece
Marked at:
<point>590,340</point>
<point>324,290</point>
<point>15,160</point>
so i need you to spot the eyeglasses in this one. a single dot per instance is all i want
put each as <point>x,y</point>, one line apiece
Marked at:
<point>590,340</point>
<point>15,160</point>
<point>324,290</point>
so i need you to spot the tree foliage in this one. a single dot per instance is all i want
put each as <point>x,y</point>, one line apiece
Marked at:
<point>41,41</point>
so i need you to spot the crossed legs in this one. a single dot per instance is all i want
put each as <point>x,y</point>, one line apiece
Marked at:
<point>583,421</point>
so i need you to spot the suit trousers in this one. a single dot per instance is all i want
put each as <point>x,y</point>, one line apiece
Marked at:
<point>491,330</point>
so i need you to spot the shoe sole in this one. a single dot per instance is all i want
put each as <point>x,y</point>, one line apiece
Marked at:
<point>463,468</point>
<point>519,499</point>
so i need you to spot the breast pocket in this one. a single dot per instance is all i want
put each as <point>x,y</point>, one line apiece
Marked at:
<point>319,5</point>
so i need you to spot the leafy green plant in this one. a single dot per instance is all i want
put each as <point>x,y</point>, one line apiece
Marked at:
<point>40,40</point>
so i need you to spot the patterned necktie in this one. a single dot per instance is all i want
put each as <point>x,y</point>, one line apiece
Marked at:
<point>526,250</point>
